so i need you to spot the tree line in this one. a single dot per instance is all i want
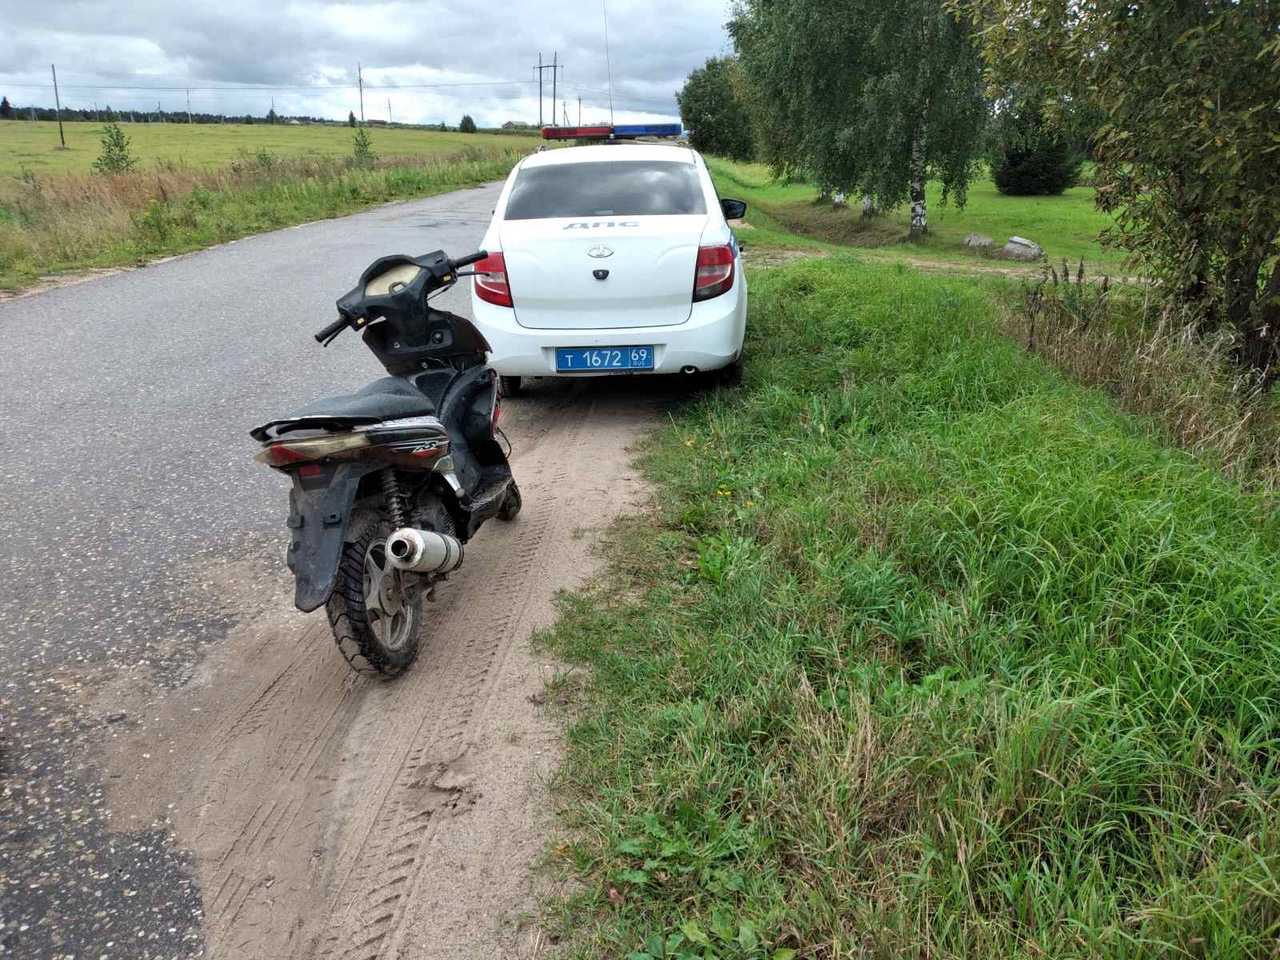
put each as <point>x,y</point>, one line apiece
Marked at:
<point>1176,102</point>
<point>107,114</point>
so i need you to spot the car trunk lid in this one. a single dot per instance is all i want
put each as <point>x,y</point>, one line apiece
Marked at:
<point>572,274</point>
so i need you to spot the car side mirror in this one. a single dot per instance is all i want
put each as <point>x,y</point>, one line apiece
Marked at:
<point>733,209</point>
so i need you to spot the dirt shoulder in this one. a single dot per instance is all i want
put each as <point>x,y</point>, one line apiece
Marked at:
<point>335,816</point>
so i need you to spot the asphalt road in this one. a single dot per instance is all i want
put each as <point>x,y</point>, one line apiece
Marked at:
<point>125,475</point>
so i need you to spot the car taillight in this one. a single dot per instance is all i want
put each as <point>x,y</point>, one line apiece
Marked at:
<point>715,272</point>
<point>491,280</point>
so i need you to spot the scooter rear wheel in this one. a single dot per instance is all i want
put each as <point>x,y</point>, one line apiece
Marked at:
<point>375,610</point>
<point>512,504</point>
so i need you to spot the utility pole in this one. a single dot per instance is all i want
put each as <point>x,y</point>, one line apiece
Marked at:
<point>389,120</point>
<point>273,109</point>
<point>579,111</point>
<point>360,81</point>
<point>159,113</point>
<point>553,66</point>
<point>188,107</point>
<point>57,101</point>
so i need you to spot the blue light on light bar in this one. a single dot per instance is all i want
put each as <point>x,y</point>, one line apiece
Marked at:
<point>648,130</point>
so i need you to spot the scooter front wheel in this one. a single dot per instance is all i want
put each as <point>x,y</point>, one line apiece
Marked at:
<point>375,610</point>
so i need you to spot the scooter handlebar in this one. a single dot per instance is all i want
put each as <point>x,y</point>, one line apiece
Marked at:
<point>331,331</point>
<point>468,261</point>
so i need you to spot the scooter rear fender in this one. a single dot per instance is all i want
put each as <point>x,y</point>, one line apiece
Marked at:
<point>319,511</point>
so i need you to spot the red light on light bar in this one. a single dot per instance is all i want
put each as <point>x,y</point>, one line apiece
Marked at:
<point>575,133</point>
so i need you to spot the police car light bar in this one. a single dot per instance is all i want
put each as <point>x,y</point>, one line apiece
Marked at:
<point>648,130</point>
<point>623,132</point>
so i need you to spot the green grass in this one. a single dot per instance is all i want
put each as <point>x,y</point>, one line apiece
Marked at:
<point>926,653</point>
<point>1066,226</point>
<point>35,146</point>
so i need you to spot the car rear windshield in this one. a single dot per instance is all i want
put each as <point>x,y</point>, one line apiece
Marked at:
<point>612,188</point>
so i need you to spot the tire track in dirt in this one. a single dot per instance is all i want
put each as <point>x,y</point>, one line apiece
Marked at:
<point>352,819</point>
<point>435,777</point>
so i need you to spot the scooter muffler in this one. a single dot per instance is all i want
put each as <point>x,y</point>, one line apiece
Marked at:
<point>424,551</point>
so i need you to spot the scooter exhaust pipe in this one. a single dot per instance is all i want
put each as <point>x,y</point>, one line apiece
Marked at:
<point>424,551</point>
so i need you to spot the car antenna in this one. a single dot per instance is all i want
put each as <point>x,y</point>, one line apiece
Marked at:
<point>604,9</point>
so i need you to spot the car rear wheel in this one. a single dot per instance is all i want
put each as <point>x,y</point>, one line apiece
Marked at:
<point>509,386</point>
<point>731,376</point>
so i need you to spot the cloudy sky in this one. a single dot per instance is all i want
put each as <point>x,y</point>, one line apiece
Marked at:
<point>434,61</point>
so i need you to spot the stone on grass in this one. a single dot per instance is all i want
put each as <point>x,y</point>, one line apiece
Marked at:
<point>978,241</point>
<point>1020,248</point>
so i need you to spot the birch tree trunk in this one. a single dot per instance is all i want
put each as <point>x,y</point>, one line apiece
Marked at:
<point>868,206</point>
<point>919,214</point>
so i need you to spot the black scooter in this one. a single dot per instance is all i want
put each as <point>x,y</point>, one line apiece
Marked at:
<point>391,481</point>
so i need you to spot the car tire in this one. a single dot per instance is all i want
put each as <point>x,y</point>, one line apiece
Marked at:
<point>509,386</point>
<point>731,376</point>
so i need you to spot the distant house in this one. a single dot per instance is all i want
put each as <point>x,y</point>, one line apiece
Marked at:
<point>293,123</point>
<point>377,123</point>
<point>515,125</point>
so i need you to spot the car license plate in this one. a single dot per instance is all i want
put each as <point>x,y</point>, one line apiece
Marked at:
<point>572,359</point>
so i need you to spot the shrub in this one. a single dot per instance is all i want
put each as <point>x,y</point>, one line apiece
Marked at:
<point>115,156</point>
<point>1044,169</point>
<point>1033,160</point>
<point>363,147</point>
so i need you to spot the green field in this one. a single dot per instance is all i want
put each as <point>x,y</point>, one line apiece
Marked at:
<point>34,146</point>
<point>1066,226</point>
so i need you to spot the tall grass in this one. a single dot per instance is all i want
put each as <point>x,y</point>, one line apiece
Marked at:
<point>927,653</point>
<point>1158,362</point>
<point>62,222</point>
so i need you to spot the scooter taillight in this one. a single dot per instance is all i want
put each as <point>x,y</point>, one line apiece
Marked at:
<point>286,453</point>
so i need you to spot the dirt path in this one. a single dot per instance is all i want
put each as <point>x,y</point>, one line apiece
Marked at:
<point>338,817</point>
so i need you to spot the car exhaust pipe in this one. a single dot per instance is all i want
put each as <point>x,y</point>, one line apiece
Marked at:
<point>689,369</point>
<point>424,551</point>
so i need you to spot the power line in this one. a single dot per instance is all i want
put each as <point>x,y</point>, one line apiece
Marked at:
<point>623,98</point>
<point>337,87</point>
<point>259,88</point>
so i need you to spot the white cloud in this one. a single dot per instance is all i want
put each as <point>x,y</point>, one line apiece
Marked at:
<point>306,51</point>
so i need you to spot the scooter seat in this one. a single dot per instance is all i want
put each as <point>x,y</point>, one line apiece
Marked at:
<point>390,398</point>
<point>385,399</point>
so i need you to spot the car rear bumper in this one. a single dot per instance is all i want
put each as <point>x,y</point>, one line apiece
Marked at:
<point>710,339</point>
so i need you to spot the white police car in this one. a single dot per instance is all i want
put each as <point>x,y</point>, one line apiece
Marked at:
<point>611,259</point>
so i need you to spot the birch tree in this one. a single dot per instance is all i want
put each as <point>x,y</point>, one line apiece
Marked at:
<point>872,97</point>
